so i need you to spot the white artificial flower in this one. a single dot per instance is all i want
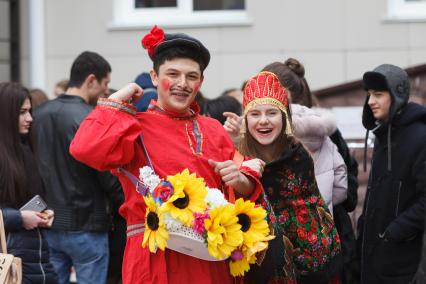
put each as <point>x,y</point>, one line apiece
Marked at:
<point>152,182</point>
<point>149,178</point>
<point>215,198</point>
<point>171,223</point>
<point>145,172</point>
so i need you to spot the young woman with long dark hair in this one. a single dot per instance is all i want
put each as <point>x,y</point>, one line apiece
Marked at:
<point>19,182</point>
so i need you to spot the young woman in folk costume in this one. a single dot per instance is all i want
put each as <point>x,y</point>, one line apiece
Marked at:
<point>307,246</point>
<point>337,184</point>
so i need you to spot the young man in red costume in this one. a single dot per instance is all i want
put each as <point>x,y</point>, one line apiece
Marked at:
<point>175,137</point>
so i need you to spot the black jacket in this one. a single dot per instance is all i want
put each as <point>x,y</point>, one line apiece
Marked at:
<point>76,192</point>
<point>392,222</point>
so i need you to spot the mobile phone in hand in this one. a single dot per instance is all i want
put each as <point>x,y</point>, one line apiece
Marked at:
<point>35,204</point>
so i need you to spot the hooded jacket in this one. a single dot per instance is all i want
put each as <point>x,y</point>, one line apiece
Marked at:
<point>313,128</point>
<point>392,222</point>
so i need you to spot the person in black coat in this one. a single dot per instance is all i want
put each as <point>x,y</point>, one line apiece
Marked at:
<point>392,222</point>
<point>19,182</point>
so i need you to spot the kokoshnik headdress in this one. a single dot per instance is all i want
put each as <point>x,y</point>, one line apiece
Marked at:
<point>265,88</point>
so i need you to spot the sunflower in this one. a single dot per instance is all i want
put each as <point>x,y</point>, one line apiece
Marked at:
<point>188,197</point>
<point>252,221</point>
<point>240,265</point>
<point>155,234</point>
<point>224,233</point>
<point>241,258</point>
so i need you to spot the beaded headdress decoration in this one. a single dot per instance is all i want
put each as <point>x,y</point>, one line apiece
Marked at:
<point>265,88</point>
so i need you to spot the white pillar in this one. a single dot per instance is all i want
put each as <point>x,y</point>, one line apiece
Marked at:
<point>37,55</point>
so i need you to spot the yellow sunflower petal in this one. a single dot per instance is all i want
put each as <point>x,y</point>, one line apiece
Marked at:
<point>145,238</point>
<point>152,247</point>
<point>239,268</point>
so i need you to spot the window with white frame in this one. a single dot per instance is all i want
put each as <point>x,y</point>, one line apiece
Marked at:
<point>175,13</point>
<point>407,9</point>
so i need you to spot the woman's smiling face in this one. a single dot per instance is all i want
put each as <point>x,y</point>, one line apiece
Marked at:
<point>264,122</point>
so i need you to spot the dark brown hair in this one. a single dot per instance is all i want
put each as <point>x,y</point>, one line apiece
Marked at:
<point>85,64</point>
<point>291,74</point>
<point>178,52</point>
<point>13,191</point>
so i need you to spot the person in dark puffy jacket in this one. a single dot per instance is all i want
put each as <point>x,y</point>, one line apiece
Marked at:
<point>19,182</point>
<point>393,219</point>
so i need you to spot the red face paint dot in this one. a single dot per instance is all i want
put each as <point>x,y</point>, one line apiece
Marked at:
<point>197,87</point>
<point>165,84</point>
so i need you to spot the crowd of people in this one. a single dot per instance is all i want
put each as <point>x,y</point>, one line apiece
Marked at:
<point>268,142</point>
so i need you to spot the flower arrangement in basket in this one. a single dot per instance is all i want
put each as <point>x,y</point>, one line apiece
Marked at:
<point>184,215</point>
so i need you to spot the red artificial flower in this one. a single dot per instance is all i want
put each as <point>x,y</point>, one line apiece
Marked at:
<point>163,191</point>
<point>237,255</point>
<point>198,223</point>
<point>153,39</point>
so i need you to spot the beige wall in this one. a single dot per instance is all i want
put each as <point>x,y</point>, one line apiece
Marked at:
<point>337,40</point>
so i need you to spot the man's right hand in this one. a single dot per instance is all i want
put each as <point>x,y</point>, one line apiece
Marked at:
<point>131,92</point>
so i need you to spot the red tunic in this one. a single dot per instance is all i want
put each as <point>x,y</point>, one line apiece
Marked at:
<point>109,138</point>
